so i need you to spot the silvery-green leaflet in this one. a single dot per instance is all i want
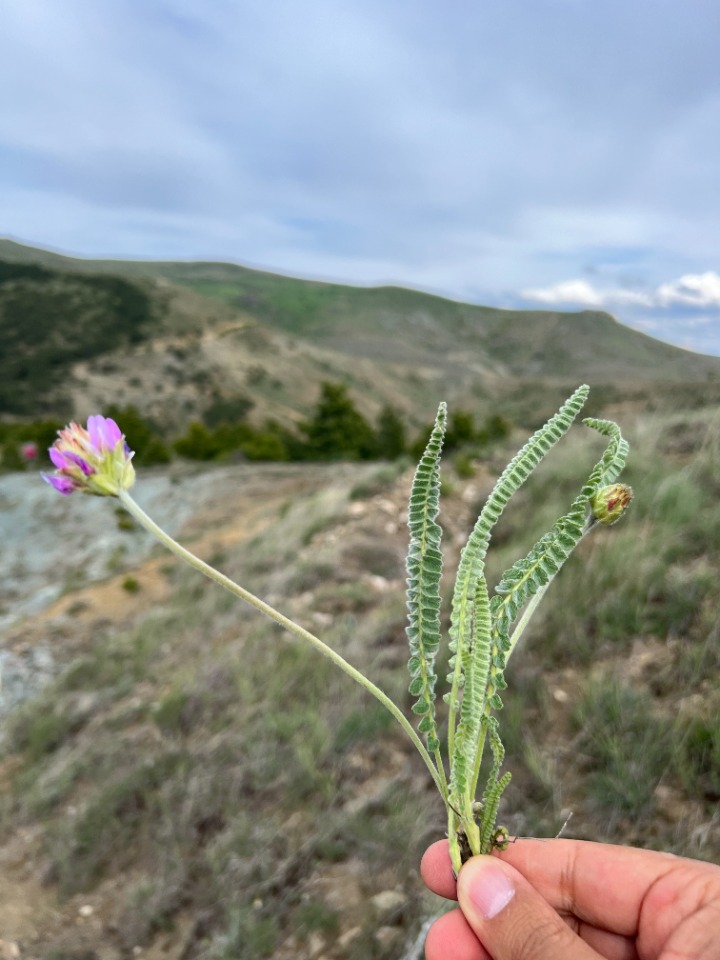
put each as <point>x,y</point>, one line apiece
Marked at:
<point>485,627</point>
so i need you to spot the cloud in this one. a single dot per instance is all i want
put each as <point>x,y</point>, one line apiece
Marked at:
<point>569,291</point>
<point>582,293</point>
<point>691,290</point>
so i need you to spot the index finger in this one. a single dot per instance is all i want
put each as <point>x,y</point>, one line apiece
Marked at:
<point>436,870</point>
<point>601,884</point>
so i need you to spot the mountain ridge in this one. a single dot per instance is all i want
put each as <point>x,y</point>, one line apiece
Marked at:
<point>234,328</point>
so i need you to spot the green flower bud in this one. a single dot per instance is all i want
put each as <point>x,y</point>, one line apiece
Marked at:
<point>610,503</point>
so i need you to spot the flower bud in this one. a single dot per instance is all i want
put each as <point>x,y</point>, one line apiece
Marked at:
<point>610,503</point>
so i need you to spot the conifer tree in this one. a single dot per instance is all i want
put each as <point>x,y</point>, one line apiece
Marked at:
<point>337,430</point>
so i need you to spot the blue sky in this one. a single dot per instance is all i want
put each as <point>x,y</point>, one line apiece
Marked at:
<point>519,153</point>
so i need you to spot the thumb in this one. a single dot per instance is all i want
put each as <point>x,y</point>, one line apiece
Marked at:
<point>510,919</point>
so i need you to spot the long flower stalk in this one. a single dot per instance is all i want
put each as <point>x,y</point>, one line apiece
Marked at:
<point>149,524</point>
<point>97,460</point>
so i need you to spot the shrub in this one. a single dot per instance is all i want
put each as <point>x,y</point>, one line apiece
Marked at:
<point>337,430</point>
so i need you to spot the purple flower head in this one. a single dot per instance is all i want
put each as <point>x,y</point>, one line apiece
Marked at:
<point>64,484</point>
<point>95,460</point>
<point>104,433</point>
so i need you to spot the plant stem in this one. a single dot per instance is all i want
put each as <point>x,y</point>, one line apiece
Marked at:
<point>144,520</point>
<point>526,617</point>
<point>516,634</point>
<point>440,767</point>
<point>536,598</point>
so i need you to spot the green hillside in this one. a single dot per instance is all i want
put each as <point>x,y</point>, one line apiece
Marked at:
<point>394,323</point>
<point>51,319</point>
<point>178,341</point>
<point>411,327</point>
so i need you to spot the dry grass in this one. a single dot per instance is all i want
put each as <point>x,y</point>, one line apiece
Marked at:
<point>209,768</point>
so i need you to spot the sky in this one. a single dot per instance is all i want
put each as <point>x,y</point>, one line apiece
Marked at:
<point>558,154</point>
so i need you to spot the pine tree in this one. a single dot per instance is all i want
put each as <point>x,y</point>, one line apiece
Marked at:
<point>391,438</point>
<point>337,430</point>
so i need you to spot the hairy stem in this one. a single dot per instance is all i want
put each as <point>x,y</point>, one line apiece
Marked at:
<point>535,600</point>
<point>149,524</point>
<point>526,617</point>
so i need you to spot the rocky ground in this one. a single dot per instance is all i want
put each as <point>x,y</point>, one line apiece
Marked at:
<point>325,543</point>
<point>64,569</point>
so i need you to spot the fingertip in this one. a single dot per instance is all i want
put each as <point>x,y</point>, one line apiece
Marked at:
<point>510,917</point>
<point>451,938</point>
<point>485,887</point>
<point>436,870</point>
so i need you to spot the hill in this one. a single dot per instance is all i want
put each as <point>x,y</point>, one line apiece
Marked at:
<point>78,339</point>
<point>214,328</point>
<point>409,326</point>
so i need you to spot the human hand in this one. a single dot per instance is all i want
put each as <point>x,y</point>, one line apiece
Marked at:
<point>574,900</point>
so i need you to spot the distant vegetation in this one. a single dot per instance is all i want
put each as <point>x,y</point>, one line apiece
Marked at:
<point>335,430</point>
<point>50,319</point>
<point>15,437</point>
<point>144,436</point>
